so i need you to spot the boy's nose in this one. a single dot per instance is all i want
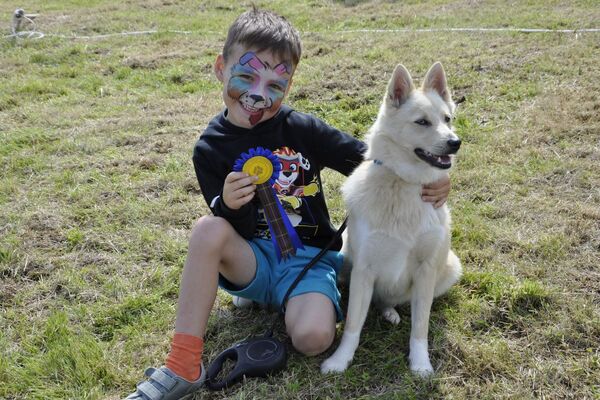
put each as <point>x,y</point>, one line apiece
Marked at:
<point>257,98</point>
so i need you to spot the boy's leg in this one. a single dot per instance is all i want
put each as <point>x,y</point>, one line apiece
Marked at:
<point>215,247</point>
<point>310,322</point>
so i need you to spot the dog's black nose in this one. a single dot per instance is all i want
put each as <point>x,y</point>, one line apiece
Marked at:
<point>454,144</point>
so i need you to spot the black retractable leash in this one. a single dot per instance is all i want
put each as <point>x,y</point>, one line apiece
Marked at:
<point>261,355</point>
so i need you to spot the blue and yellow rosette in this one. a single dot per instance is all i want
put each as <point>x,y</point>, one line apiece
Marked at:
<point>265,165</point>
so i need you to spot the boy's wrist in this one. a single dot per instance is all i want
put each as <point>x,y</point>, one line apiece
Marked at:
<point>224,204</point>
<point>226,211</point>
<point>242,220</point>
<point>226,208</point>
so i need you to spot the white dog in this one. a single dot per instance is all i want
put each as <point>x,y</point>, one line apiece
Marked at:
<point>398,244</point>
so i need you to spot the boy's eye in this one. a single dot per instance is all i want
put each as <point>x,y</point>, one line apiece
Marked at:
<point>275,86</point>
<point>245,77</point>
<point>422,122</point>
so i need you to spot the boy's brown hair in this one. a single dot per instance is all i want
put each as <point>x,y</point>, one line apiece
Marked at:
<point>264,30</point>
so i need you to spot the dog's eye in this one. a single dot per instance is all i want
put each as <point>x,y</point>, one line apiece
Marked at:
<point>447,119</point>
<point>422,122</point>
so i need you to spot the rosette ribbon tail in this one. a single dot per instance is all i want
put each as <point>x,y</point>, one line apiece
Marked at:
<point>283,235</point>
<point>294,241</point>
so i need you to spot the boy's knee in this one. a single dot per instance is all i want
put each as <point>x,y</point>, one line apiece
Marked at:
<point>210,231</point>
<point>314,341</point>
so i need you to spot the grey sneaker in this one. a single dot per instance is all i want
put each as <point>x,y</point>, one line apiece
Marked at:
<point>164,384</point>
<point>241,302</point>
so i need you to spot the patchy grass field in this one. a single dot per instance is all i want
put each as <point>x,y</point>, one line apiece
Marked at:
<point>98,193</point>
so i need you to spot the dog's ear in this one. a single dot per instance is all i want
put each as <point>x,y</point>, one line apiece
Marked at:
<point>436,80</point>
<point>400,86</point>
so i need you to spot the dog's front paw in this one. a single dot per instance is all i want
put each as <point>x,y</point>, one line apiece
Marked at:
<point>334,364</point>
<point>419,358</point>
<point>423,369</point>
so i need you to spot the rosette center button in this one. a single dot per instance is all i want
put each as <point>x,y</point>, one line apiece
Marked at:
<point>260,167</point>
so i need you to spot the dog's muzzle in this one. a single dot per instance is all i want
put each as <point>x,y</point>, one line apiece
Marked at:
<point>442,161</point>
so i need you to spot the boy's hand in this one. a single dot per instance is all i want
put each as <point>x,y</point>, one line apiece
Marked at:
<point>239,189</point>
<point>436,192</point>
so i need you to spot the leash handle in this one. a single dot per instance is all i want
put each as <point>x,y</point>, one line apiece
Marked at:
<point>312,262</point>
<point>216,366</point>
<point>254,357</point>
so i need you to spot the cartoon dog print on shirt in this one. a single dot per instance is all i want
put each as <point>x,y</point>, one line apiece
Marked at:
<point>291,163</point>
<point>290,186</point>
<point>257,85</point>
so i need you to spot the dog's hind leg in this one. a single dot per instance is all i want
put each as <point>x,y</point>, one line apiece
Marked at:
<point>362,281</point>
<point>391,315</point>
<point>449,274</point>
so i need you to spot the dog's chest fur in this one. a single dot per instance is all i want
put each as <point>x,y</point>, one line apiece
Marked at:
<point>389,204</point>
<point>390,221</point>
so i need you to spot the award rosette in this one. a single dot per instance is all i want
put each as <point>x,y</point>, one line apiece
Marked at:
<point>265,165</point>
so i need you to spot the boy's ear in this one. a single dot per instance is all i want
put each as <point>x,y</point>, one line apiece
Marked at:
<point>219,67</point>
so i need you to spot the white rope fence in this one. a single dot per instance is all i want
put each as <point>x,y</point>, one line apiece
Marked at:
<point>522,30</point>
<point>40,35</point>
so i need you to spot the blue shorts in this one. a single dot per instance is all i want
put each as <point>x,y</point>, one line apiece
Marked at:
<point>273,279</point>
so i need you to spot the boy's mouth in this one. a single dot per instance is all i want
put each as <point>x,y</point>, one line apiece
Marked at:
<point>256,114</point>
<point>249,108</point>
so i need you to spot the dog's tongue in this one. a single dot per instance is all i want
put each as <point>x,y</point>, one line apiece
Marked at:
<point>254,118</point>
<point>443,159</point>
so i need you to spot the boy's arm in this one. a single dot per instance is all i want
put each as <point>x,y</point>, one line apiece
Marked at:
<point>244,219</point>
<point>337,150</point>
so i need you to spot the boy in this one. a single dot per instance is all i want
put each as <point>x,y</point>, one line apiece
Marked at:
<point>231,249</point>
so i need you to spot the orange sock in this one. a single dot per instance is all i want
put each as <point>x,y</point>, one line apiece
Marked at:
<point>185,356</point>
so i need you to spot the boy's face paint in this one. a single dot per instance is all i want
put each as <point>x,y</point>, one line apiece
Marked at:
<point>256,85</point>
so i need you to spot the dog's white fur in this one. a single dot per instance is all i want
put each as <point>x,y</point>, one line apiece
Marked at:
<point>398,244</point>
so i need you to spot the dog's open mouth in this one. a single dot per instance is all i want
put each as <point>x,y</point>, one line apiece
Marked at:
<point>439,161</point>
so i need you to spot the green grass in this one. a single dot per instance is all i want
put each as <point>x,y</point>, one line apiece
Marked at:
<point>98,194</point>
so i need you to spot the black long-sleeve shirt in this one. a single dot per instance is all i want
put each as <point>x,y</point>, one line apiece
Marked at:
<point>304,145</point>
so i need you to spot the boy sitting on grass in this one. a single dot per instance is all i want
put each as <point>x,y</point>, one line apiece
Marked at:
<point>232,249</point>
